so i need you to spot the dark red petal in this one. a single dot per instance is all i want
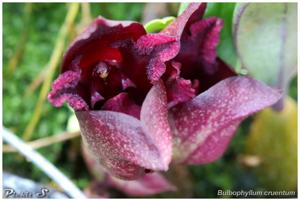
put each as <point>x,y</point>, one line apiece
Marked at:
<point>198,41</point>
<point>193,13</point>
<point>160,48</point>
<point>204,126</point>
<point>198,50</point>
<point>101,34</point>
<point>123,103</point>
<point>222,71</point>
<point>119,143</point>
<point>154,120</point>
<point>178,91</point>
<point>207,53</point>
<point>149,184</point>
<point>134,67</point>
<point>64,89</point>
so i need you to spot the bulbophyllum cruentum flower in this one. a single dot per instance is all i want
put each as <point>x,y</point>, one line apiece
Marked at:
<point>142,98</point>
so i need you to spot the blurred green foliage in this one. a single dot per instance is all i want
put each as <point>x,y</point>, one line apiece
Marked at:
<point>226,173</point>
<point>16,108</point>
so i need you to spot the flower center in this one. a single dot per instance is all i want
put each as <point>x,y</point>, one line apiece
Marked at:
<point>101,70</point>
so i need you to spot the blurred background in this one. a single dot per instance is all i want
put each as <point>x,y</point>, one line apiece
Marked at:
<point>34,39</point>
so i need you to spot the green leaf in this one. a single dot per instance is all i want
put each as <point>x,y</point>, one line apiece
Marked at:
<point>273,139</point>
<point>265,35</point>
<point>182,7</point>
<point>226,50</point>
<point>157,25</point>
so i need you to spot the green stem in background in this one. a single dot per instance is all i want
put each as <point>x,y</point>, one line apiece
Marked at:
<point>35,83</point>
<point>86,13</point>
<point>52,65</point>
<point>14,60</point>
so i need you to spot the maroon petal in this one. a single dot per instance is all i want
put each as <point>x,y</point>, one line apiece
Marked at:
<point>64,89</point>
<point>198,49</point>
<point>179,90</point>
<point>165,46</point>
<point>119,143</point>
<point>122,103</point>
<point>160,48</point>
<point>149,184</point>
<point>204,126</point>
<point>193,13</point>
<point>98,54</point>
<point>207,53</point>
<point>222,71</point>
<point>99,36</point>
<point>126,146</point>
<point>198,41</point>
<point>154,120</point>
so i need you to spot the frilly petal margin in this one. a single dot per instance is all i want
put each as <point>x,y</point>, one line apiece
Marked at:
<point>204,126</point>
<point>165,45</point>
<point>149,184</point>
<point>126,147</point>
<point>64,89</point>
<point>161,48</point>
<point>193,13</point>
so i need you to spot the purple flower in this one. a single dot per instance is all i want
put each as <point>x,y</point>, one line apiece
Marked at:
<point>142,98</point>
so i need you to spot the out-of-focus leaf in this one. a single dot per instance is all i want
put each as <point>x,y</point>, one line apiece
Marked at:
<point>157,25</point>
<point>118,11</point>
<point>182,7</point>
<point>273,138</point>
<point>266,40</point>
<point>226,50</point>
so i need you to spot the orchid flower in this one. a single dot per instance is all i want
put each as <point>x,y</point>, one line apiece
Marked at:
<point>142,99</point>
